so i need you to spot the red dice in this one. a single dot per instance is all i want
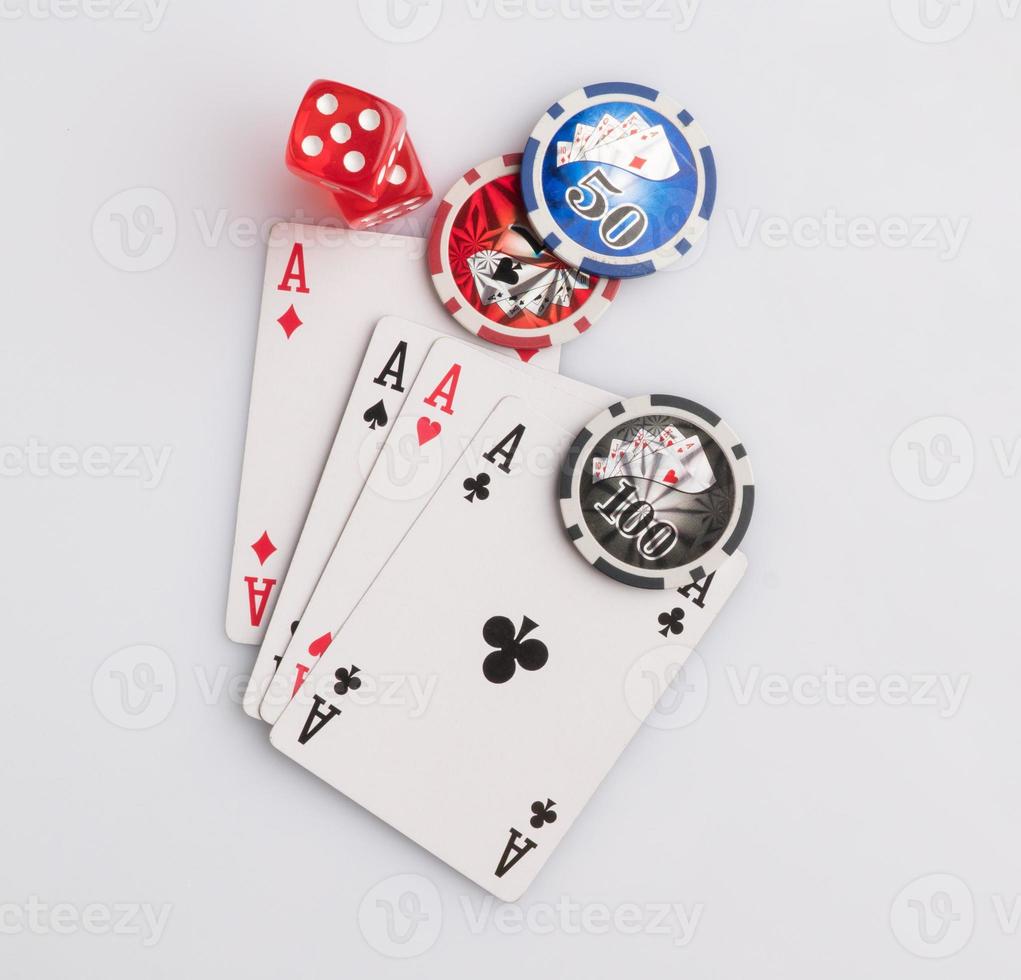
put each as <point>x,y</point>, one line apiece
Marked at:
<point>406,189</point>
<point>354,144</point>
<point>345,139</point>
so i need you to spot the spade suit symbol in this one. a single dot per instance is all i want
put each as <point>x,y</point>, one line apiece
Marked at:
<point>376,414</point>
<point>507,271</point>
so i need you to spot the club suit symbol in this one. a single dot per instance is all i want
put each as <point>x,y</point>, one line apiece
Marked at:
<point>347,680</point>
<point>512,650</point>
<point>543,813</point>
<point>672,622</point>
<point>477,486</point>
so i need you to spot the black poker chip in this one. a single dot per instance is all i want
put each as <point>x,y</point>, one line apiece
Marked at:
<point>657,492</point>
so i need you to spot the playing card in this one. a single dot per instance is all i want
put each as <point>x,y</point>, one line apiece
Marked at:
<point>617,447</point>
<point>600,132</point>
<point>684,466</point>
<point>639,463</point>
<point>567,281</point>
<point>638,444</point>
<point>647,153</point>
<point>538,299</point>
<point>628,127</point>
<point>581,134</point>
<point>667,437</point>
<point>455,390</point>
<point>510,282</point>
<point>669,459</point>
<point>538,669</point>
<point>323,292</point>
<point>392,361</point>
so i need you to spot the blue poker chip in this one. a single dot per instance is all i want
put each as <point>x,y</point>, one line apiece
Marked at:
<point>618,179</point>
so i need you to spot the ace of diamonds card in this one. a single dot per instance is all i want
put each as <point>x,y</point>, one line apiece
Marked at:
<point>324,291</point>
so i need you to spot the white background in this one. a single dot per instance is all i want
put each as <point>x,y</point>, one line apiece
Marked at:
<point>788,821</point>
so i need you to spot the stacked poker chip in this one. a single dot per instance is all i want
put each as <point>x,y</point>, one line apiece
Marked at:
<point>616,181</point>
<point>527,251</point>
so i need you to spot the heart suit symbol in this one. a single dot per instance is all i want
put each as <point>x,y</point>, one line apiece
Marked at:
<point>427,429</point>
<point>318,645</point>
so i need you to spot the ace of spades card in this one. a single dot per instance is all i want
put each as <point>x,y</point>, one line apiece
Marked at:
<point>537,667</point>
<point>323,292</point>
<point>392,361</point>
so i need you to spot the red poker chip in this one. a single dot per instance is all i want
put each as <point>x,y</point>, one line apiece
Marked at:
<point>494,276</point>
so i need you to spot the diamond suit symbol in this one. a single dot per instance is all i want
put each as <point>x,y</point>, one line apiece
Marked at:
<point>263,548</point>
<point>290,321</point>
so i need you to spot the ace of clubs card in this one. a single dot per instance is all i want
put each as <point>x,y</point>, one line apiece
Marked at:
<point>536,666</point>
